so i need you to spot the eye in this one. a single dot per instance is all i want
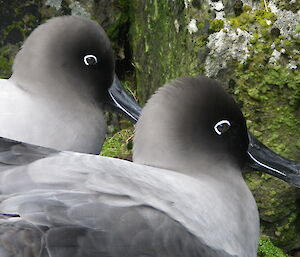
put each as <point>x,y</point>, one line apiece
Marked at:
<point>222,126</point>
<point>90,60</point>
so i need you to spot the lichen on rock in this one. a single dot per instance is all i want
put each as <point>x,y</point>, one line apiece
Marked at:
<point>54,3</point>
<point>77,9</point>
<point>286,21</point>
<point>225,46</point>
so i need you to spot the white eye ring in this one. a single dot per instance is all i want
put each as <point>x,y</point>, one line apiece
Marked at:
<point>222,123</point>
<point>87,59</point>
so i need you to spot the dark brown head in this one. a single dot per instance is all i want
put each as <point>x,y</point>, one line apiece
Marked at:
<point>68,52</point>
<point>193,118</point>
<point>192,125</point>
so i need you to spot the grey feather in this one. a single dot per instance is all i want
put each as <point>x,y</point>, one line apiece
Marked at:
<point>185,198</point>
<point>55,97</point>
<point>51,91</point>
<point>83,205</point>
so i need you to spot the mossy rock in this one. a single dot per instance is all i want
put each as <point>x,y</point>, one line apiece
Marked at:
<point>119,145</point>
<point>216,25</point>
<point>163,48</point>
<point>267,249</point>
<point>7,54</point>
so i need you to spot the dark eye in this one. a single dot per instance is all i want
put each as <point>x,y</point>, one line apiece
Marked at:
<point>90,59</point>
<point>222,126</point>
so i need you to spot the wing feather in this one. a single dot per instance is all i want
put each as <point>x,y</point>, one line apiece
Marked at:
<point>134,209</point>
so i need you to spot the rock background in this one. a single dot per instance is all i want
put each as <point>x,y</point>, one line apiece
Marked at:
<point>250,46</point>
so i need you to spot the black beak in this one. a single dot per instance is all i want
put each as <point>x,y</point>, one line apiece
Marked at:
<point>119,99</point>
<point>264,159</point>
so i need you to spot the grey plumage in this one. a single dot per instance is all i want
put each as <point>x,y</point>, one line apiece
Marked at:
<point>80,207</point>
<point>184,197</point>
<point>53,98</point>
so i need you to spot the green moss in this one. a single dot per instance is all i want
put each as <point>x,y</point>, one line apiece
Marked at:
<point>267,249</point>
<point>119,145</point>
<point>161,51</point>
<point>261,82</point>
<point>7,54</point>
<point>287,232</point>
<point>247,8</point>
<point>293,6</point>
<point>248,17</point>
<point>275,122</point>
<point>216,25</point>
<point>121,18</point>
<point>238,7</point>
<point>275,203</point>
<point>264,87</point>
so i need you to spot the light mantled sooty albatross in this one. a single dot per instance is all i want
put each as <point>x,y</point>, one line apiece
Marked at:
<point>183,197</point>
<point>63,78</point>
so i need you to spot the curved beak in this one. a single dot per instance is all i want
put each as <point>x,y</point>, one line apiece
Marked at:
<point>265,160</point>
<point>119,99</point>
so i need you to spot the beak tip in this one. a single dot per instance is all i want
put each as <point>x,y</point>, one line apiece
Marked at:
<point>294,180</point>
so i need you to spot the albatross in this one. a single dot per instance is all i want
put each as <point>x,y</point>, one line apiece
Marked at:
<point>184,195</point>
<point>63,78</point>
